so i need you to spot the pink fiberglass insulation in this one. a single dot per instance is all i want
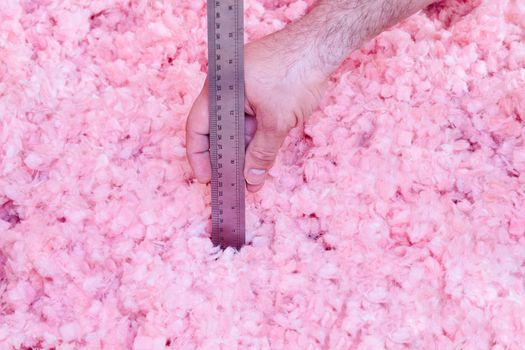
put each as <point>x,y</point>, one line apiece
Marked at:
<point>394,220</point>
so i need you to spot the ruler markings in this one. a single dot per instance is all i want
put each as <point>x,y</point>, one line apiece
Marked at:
<point>226,103</point>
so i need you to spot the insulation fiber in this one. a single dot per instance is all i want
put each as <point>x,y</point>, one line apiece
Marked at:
<point>395,219</point>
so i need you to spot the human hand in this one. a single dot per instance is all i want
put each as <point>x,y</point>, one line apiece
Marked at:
<point>286,74</point>
<point>281,89</point>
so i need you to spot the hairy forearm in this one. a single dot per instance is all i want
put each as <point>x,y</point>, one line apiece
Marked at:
<point>334,28</point>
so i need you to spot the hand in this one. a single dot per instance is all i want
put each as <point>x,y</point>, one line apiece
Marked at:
<point>281,90</point>
<point>285,76</point>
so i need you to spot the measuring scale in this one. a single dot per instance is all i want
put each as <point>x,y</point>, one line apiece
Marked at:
<point>226,113</point>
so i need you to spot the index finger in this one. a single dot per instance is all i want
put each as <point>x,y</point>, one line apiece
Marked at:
<point>197,137</point>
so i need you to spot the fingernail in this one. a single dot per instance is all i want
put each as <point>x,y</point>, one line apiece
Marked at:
<point>255,176</point>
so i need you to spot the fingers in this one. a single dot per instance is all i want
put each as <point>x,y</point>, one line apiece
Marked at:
<point>197,137</point>
<point>264,138</point>
<point>261,154</point>
<point>250,126</point>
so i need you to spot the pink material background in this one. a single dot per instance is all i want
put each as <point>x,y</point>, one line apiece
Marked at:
<point>394,220</point>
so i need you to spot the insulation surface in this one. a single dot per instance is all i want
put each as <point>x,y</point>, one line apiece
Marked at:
<point>394,220</point>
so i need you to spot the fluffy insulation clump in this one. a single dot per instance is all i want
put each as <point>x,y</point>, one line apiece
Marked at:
<point>394,220</point>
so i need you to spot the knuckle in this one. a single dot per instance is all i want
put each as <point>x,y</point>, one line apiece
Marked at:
<point>275,127</point>
<point>282,131</point>
<point>262,156</point>
<point>298,121</point>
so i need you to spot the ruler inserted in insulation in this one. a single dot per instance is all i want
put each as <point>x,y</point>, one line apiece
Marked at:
<point>226,112</point>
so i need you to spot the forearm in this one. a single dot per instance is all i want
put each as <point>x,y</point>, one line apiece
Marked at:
<point>335,28</point>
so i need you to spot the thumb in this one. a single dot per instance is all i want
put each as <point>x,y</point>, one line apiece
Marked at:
<point>261,154</point>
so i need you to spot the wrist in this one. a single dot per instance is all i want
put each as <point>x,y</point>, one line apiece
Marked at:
<point>328,35</point>
<point>333,29</point>
<point>291,54</point>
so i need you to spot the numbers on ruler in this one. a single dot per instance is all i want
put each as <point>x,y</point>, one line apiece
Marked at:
<point>226,114</point>
<point>218,4</point>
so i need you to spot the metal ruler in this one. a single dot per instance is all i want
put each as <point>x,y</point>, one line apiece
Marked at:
<point>226,110</point>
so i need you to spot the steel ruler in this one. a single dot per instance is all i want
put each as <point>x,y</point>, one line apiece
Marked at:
<point>226,112</point>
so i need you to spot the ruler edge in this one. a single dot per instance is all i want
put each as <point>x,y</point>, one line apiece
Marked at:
<point>239,16</point>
